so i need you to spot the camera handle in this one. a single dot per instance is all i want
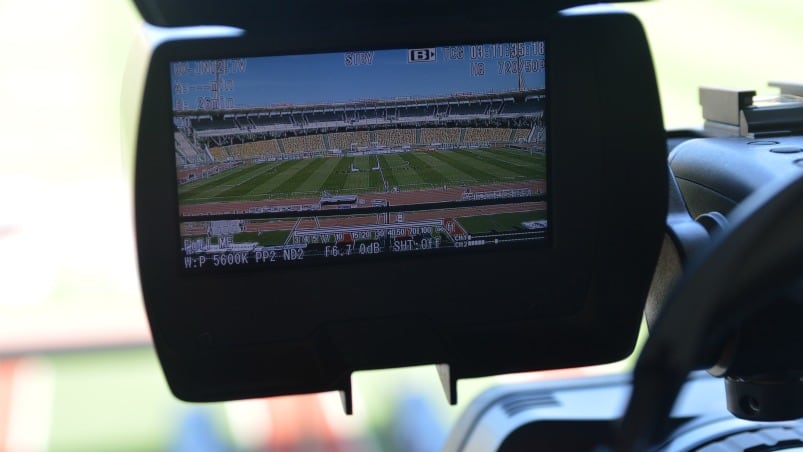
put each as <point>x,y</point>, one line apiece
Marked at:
<point>737,275</point>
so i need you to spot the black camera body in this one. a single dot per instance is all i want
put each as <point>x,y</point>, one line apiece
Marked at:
<point>716,170</point>
<point>557,416</point>
<point>750,145</point>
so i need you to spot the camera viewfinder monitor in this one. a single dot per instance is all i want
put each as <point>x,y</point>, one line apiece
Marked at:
<point>331,157</point>
<point>311,202</point>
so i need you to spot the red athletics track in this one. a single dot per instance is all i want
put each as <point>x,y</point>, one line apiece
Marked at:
<point>394,199</point>
<point>198,229</point>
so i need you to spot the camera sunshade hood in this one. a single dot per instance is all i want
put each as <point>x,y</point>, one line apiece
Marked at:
<point>303,327</point>
<point>255,15</point>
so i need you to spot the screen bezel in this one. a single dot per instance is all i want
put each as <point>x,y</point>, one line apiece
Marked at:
<point>272,332</point>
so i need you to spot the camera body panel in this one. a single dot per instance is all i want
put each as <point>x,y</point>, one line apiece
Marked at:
<point>715,174</point>
<point>557,415</point>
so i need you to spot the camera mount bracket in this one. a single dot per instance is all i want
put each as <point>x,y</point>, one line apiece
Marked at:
<point>736,112</point>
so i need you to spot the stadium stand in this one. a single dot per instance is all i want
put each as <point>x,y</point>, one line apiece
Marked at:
<point>303,143</point>
<point>473,109</point>
<point>315,142</point>
<point>539,134</point>
<point>202,124</point>
<point>442,111</point>
<point>185,149</point>
<point>440,135</point>
<point>254,150</point>
<point>372,114</point>
<point>395,137</point>
<point>340,140</point>
<point>514,108</point>
<point>266,123</point>
<point>417,112</point>
<point>324,119</point>
<point>520,135</point>
<point>487,135</point>
<point>219,153</point>
<point>286,131</point>
<point>344,140</point>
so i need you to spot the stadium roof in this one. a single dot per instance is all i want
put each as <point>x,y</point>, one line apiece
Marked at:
<point>365,103</point>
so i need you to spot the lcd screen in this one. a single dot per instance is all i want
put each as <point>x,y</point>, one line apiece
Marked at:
<point>292,159</point>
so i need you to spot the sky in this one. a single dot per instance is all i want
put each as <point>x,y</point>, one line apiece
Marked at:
<point>349,76</point>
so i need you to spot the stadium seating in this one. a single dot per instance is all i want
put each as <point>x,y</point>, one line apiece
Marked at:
<point>219,153</point>
<point>540,134</point>
<point>463,119</point>
<point>395,137</point>
<point>303,143</point>
<point>344,140</point>
<point>254,150</point>
<point>520,134</point>
<point>440,135</point>
<point>185,149</point>
<point>487,135</point>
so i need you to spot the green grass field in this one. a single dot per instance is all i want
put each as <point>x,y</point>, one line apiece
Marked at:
<point>350,175</point>
<point>267,238</point>
<point>483,224</point>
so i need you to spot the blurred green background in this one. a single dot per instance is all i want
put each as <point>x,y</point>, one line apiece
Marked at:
<point>77,371</point>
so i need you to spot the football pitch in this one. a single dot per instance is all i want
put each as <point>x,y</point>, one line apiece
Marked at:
<point>402,171</point>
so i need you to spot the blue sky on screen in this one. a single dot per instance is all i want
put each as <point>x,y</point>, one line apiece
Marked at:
<point>327,78</point>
